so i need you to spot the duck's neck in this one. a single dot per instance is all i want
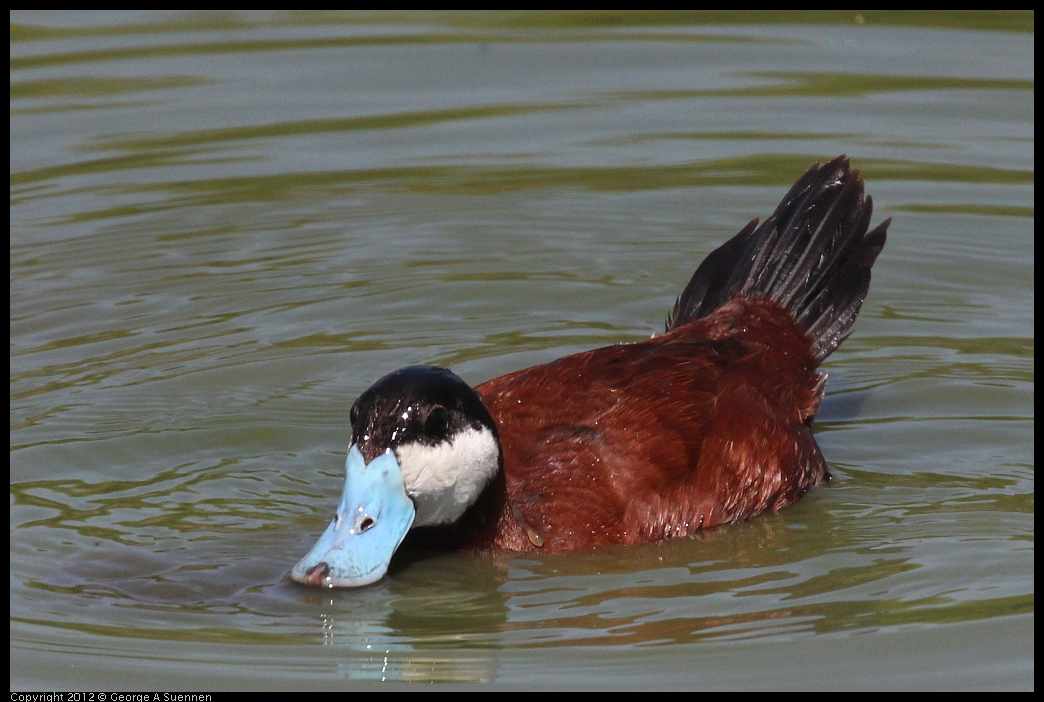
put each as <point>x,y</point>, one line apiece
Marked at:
<point>487,525</point>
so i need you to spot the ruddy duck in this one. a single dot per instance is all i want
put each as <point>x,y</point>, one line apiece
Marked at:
<point>706,424</point>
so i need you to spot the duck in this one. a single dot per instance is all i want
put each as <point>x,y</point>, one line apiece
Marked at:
<point>708,423</point>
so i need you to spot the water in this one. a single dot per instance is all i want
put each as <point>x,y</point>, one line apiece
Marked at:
<point>224,227</point>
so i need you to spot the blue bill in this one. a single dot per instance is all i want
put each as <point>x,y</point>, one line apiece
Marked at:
<point>371,521</point>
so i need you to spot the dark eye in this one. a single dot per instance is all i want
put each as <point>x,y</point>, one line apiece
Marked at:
<point>437,422</point>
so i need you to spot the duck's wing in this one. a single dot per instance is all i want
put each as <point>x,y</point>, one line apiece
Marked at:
<point>689,430</point>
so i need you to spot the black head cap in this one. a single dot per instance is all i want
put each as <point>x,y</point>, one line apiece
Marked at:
<point>422,404</point>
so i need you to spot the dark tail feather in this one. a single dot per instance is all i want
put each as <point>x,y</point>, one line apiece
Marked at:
<point>812,257</point>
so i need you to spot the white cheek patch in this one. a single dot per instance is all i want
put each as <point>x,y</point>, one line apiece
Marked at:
<point>444,480</point>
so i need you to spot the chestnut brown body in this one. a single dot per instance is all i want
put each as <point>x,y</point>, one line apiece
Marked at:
<point>706,424</point>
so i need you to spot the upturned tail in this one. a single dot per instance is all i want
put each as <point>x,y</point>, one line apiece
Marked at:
<point>812,257</point>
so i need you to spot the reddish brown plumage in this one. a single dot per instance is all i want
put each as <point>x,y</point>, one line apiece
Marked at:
<point>704,425</point>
